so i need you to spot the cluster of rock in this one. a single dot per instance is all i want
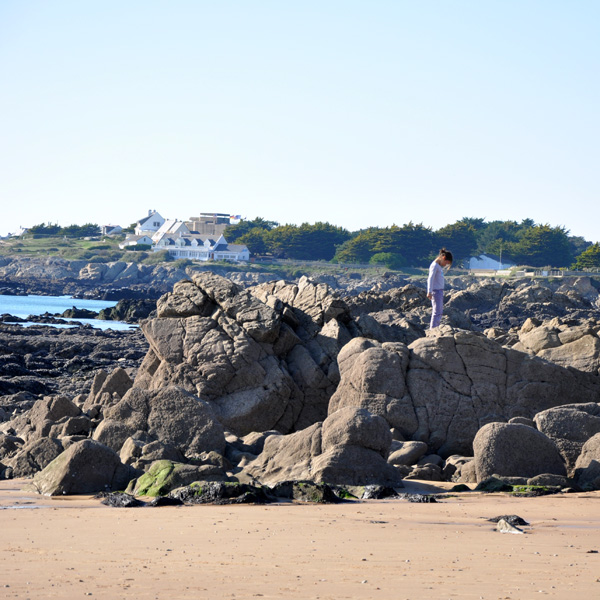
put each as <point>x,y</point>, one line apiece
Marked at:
<point>39,360</point>
<point>559,341</point>
<point>55,275</point>
<point>52,275</point>
<point>289,381</point>
<point>509,303</point>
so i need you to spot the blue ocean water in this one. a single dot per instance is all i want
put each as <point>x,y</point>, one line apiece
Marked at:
<point>23,306</point>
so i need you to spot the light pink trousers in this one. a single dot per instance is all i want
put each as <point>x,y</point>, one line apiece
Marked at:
<point>437,303</point>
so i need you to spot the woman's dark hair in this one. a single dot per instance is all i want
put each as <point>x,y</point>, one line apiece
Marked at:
<point>446,254</point>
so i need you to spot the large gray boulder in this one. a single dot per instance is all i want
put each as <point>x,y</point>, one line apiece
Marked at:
<point>587,468</point>
<point>9,445</point>
<point>580,289</point>
<point>108,388</point>
<point>85,467</point>
<point>408,453</point>
<point>113,433</point>
<point>582,353</point>
<point>287,457</point>
<point>52,408</point>
<point>170,415</point>
<point>349,448</point>
<point>539,339</point>
<point>164,476</point>
<point>355,445</point>
<point>35,456</point>
<point>515,450</point>
<point>570,427</point>
<point>43,417</point>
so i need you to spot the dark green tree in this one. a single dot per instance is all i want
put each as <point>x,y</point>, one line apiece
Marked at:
<point>460,238</point>
<point>130,228</point>
<point>476,223</point>
<point>388,259</point>
<point>543,245</point>
<point>414,243</point>
<point>44,229</point>
<point>71,231</point>
<point>234,232</point>
<point>589,258</point>
<point>578,244</point>
<point>357,249</point>
<point>498,236</point>
<point>306,242</point>
<point>79,231</point>
<point>255,240</point>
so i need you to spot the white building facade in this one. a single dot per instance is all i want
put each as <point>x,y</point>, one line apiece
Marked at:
<point>198,247</point>
<point>135,240</point>
<point>150,224</point>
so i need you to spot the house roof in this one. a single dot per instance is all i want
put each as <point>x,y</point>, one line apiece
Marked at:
<point>237,247</point>
<point>186,240</point>
<point>171,225</point>
<point>493,257</point>
<point>142,221</point>
<point>134,238</point>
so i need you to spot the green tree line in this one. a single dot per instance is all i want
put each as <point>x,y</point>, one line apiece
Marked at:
<point>414,245</point>
<point>71,231</point>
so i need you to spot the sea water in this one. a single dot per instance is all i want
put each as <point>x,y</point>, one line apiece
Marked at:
<point>24,306</point>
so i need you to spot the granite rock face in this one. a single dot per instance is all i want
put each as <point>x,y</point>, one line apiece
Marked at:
<point>169,415</point>
<point>288,381</point>
<point>291,358</point>
<point>263,360</point>
<point>561,343</point>
<point>60,276</point>
<point>443,388</point>
<point>349,448</point>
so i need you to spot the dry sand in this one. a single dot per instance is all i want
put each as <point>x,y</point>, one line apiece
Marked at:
<point>75,547</point>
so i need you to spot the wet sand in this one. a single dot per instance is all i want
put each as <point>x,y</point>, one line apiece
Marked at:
<point>75,547</point>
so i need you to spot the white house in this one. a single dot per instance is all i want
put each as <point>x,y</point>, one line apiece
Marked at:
<point>21,231</point>
<point>111,229</point>
<point>198,247</point>
<point>171,227</point>
<point>148,225</point>
<point>489,262</point>
<point>135,240</point>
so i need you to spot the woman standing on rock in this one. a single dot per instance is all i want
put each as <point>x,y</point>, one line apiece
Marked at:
<point>435,285</point>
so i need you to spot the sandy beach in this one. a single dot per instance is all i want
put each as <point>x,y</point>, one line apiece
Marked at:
<point>75,547</point>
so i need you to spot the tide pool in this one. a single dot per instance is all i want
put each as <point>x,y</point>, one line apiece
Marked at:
<point>23,306</point>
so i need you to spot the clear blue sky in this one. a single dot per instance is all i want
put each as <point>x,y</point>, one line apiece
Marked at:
<point>357,113</point>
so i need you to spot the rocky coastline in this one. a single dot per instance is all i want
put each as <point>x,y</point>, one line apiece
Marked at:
<point>331,380</point>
